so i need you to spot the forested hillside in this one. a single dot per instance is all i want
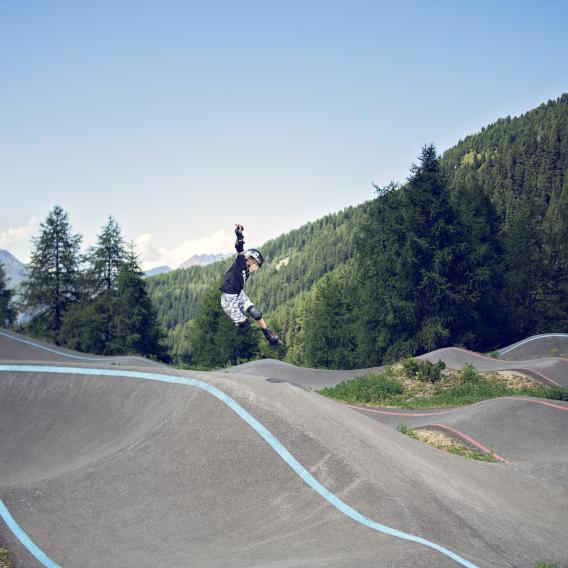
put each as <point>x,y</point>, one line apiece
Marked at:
<point>293,263</point>
<point>522,165</point>
<point>515,157</point>
<point>472,250</point>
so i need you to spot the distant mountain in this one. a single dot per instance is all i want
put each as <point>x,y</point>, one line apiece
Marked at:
<point>157,270</point>
<point>16,271</point>
<point>203,260</point>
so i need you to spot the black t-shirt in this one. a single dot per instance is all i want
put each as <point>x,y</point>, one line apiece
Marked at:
<point>236,276</point>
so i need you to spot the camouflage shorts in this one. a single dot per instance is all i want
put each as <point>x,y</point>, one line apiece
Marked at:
<point>236,305</point>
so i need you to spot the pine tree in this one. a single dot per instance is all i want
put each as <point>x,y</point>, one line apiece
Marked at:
<point>7,309</point>
<point>134,324</point>
<point>552,309</point>
<point>328,334</point>
<point>524,276</point>
<point>106,257</point>
<point>103,262</point>
<point>483,324</point>
<point>385,308</point>
<point>85,326</point>
<point>52,284</point>
<point>412,267</point>
<point>215,340</point>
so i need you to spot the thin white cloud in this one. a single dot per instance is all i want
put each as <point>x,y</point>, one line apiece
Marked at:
<point>218,242</point>
<point>18,237</point>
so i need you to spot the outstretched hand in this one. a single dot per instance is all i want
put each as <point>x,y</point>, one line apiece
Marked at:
<point>272,338</point>
<point>239,228</point>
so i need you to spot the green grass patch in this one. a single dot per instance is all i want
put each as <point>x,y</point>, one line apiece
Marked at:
<point>404,429</point>
<point>367,389</point>
<point>556,393</point>
<point>394,388</point>
<point>472,453</point>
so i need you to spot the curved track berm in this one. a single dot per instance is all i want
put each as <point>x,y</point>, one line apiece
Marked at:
<point>537,347</point>
<point>122,471</point>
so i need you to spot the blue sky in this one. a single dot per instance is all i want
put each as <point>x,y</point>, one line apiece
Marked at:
<point>180,118</point>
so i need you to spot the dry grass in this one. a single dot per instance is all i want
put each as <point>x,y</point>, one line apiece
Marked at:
<point>437,438</point>
<point>419,389</point>
<point>513,379</point>
<point>445,441</point>
<point>4,560</point>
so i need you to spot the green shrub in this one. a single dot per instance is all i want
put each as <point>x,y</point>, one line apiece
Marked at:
<point>469,374</point>
<point>410,367</point>
<point>431,372</point>
<point>370,388</point>
<point>423,370</point>
<point>556,393</point>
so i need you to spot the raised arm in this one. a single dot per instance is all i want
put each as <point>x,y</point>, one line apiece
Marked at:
<point>239,245</point>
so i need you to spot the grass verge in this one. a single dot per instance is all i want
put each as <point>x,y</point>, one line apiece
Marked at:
<point>4,560</point>
<point>445,442</point>
<point>395,387</point>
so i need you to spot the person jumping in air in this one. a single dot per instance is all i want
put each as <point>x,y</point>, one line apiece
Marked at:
<point>235,303</point>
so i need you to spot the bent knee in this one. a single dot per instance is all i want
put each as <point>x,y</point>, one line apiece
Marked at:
<point>255,313</point>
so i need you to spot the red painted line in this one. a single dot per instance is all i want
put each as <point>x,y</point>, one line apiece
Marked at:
<point>378,410</point>
<point>536,401</point>
<point>475,354</point>
<point>396,413</point>
<point>543,377</point>
<point>472,441</point>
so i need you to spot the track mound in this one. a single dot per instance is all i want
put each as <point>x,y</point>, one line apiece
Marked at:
<point>52,427</point>
<point>549,371</point>
<point>537,347</point>
<point>274,370</point>
<point>18,347</point>
<point>131,471</point>
<point>516,428</point>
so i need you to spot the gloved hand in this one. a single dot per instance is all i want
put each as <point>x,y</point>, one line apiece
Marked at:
<point>272,338</point>
<point>239,231</point>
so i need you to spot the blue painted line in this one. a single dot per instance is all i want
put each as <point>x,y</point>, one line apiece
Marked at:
<point>70,355</point>
<point>24,538</point>
<point>534,338</point>
<point>276,445</point>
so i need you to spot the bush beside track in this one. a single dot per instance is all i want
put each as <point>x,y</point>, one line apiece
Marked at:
<point>418,384</point>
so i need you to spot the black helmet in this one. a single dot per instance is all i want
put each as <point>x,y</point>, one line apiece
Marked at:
<point>255,255</point>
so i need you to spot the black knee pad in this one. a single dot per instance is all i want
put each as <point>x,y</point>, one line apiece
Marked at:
<point>254,313</point>
<point>243,324</point>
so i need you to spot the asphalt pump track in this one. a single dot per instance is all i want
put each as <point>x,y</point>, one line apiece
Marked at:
<point>120,462</point>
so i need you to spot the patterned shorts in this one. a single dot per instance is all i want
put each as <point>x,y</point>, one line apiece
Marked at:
<point>236,305</point>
